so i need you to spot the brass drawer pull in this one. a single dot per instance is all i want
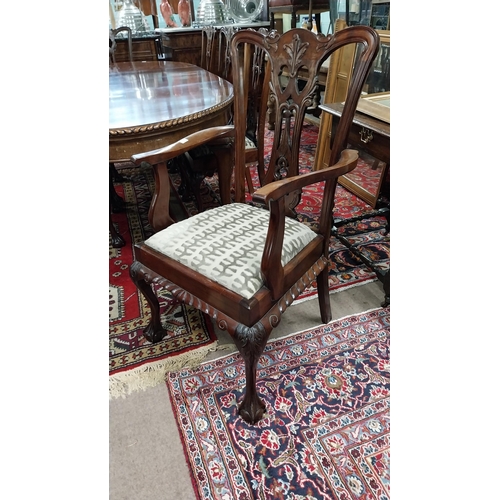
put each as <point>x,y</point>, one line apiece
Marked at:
<point>366,135</point>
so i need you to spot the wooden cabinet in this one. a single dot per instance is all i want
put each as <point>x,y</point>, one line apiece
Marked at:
<point>369,180</point>
<point>143,49</point>
<point>183,46</point>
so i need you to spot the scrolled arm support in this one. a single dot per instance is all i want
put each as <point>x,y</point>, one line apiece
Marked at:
<point>186,144</point>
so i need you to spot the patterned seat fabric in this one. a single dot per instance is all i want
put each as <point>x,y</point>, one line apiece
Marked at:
<point>249,144</point>
<point>225,244</point>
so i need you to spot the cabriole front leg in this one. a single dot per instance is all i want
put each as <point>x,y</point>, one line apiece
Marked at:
<point>154,332</point>
<point>251,342</point>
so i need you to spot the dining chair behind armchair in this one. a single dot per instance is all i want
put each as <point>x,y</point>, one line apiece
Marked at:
<point>113,45</point>
<point>215,49</point>
<point>201,161</point>
<point>244,264</point>
<point>216,58</point>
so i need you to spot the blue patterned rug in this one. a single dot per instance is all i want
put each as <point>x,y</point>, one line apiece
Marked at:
<point>325,434</point>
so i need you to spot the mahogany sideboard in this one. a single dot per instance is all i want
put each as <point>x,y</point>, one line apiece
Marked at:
<point>184,44</point>
<point>145,47</point>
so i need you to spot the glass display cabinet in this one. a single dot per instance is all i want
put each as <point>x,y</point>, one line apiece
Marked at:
<point>374,13</point>
<point>380,18</point>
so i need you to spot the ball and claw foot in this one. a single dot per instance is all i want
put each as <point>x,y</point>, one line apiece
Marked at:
<point>252,411</point>
<point>153,334</point>
<point>117,241</point>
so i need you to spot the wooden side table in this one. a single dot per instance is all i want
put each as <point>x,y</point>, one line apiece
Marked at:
<point>369,135</point>
<point>372,136</point>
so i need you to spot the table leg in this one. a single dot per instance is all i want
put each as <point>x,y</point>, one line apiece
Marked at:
<point>116,201</point>
<point>117,240</point>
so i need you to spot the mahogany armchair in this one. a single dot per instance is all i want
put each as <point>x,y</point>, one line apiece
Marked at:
<point>242,264</point>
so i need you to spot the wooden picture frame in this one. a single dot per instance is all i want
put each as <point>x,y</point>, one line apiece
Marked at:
<point>376,105</point>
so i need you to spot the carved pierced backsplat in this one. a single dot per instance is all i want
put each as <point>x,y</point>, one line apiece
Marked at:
<point>257,68</point>
<point>207,47</point>
<point>290,97</point>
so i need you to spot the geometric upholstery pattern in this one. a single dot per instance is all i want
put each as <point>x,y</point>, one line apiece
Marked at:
<point>226,244</point>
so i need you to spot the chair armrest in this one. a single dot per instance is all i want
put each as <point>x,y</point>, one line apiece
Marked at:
<point>278,189</point>
<point>187,143</point>
<point>273,195</point>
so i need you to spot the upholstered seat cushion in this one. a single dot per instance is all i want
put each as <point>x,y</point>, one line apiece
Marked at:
<point>226,244</point>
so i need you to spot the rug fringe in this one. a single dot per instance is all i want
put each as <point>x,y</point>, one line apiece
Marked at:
<point>225,347</point>
<point>152,374</point>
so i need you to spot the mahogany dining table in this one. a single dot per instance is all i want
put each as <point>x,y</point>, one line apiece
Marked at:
<point>155,103</point>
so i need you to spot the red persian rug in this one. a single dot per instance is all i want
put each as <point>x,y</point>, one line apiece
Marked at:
<point>326,431</point>
<point>135,363</point>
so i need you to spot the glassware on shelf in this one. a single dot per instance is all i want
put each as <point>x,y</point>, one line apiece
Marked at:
<point>245,11</point>
<point>211,12</point>
<point>129,15</point>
